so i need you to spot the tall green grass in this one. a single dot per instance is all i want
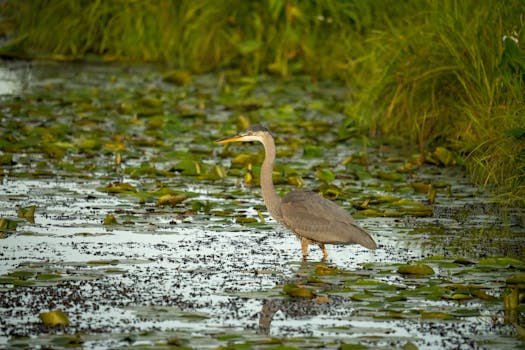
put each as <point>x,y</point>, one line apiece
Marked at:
<point>322,38</point>
<point>451,79</point>
<point>429,72</point>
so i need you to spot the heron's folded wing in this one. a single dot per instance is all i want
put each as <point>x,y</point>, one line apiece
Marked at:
<point>321,220</point>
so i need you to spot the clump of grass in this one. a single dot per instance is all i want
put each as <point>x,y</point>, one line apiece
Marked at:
<point>451,79</point>
<point>191,34</point>
<point>322,38</point>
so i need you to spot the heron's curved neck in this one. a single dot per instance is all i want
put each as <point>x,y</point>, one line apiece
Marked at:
<point>270,196</point>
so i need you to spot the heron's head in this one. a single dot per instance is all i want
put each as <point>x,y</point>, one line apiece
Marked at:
<point>255,132</point>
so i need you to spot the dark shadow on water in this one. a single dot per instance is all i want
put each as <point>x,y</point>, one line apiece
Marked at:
<point>296,307</point>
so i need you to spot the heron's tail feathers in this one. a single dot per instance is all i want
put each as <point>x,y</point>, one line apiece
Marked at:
<point>362,237</point>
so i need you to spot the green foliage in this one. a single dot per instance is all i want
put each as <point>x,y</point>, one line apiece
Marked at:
<point>454,77</point>
<point>430,73</point>
<point>279,36</point>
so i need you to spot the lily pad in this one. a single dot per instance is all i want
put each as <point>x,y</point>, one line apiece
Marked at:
<point>54,318</point>
<point>118,187</point>
<point>353,346</point>
<point>501,261</point>
<point>298,292</point>
<point>188,167</point>
<point>6,159</point>
<point>516,279</point>
<point>421,187</point>
<point>392,176</point>
<point>415,269</point>
<point>311,151</point>
<point>8,224</point>
<point>110,219</point>
<point>48,276</point>
<point>27,213</point>
<point>21,274</point>
<point>68,341</point>
<point>103,262</point>
<point>436,315</point>
<point>177,77</point>
<point>171,200</point>
<point>445,156</point>
<point>325,175</point>
<point>520,331</point>
<point>245,220</point>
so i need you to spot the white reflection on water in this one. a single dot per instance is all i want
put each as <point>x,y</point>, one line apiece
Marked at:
<point>10,81</point>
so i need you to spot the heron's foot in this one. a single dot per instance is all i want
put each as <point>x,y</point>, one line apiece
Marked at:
<point>325,253</point>
<point>304,247</point>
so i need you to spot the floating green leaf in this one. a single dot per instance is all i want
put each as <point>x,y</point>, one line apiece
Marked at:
<point>502,261</point>
<point>178,77</point>
<point>421,187</point>
<point>520,331</point>
<point>518,279</point>
<point>298,292</point>
<point>6,159</point>
<point>392,176</point>
<point>188,167</point>
<point>68,341</point>
<point>353,346</point>
<point>359,171</point>
<point>311,151</point>
<point>47,276</point>
<point>177,342</point>
<point>89,144</point>
<point>118,187</point>
<point>23,283</point>
<point>245,220</point>
<point>54,318</point>
<point>110,219</point>
<point>463,261</point>
<point>436,315</point>
<point>362,296</point>
<point>445,156</point>
<point>7,224</point>
<point>325,175</point>
<point>171,200</point>
<point>415,269</point>
<point>27,213</point>
<point>21,274</point>
<point>103,262</point>
<point>323,270</point>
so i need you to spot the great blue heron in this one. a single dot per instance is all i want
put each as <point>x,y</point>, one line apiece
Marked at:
<point>314,219</point>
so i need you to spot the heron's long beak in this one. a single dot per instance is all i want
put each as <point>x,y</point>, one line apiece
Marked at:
<point>233,138</point>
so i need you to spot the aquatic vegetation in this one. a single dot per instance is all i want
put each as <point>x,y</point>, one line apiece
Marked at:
<point>145,234</point>
<point>54,318</point>
<point>414,69</point>
<point>27,213</point>
<point>415,269</point>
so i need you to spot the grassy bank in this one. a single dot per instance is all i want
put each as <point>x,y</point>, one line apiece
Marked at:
<point>430,73</point>
<point>454,76</point>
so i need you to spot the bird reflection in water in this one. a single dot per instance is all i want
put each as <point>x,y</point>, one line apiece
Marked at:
<point>295,307</point>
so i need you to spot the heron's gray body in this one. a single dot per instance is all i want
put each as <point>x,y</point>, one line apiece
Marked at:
<point>311,217</point>
<point>321,220</point>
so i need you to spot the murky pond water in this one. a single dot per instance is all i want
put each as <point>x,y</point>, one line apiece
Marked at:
<point>192,258</point>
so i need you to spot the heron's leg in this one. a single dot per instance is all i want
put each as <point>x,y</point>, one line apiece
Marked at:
<point>323,249</point>
<point>304,247</point>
